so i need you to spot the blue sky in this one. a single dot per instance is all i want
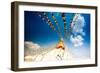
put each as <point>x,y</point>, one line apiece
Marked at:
<point>38,31</point>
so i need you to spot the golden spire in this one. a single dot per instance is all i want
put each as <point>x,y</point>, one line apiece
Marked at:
<point>60,44</point>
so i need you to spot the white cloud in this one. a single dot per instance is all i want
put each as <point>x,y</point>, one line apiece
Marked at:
<point>31,45</point>
<point>78,24</point>
<point>78,30</point>
<point>30,48</point>
<point>77,41</point>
